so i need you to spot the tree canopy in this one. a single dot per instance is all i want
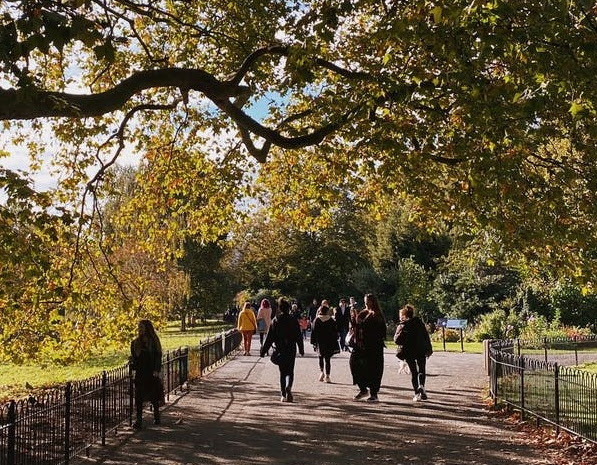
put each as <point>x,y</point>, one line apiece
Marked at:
<point>480,113</point>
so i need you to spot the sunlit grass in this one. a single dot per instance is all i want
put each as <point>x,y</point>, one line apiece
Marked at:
<point>14,378</point>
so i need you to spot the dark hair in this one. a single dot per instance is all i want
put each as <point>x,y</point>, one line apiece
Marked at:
<point>374,304</point>
<point>283,305</point>
<point>323,310</point>
<point>265,303</point>
<point>149,339</point>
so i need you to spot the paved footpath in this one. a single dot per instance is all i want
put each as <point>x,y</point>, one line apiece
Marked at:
<point>234,416</point>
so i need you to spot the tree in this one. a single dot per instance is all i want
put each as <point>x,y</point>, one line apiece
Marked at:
<point>268,253</point>
<point>482,111</point>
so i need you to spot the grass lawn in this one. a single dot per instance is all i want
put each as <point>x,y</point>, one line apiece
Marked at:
<point>469,347</point>
<point>590,367</point>
<point>14,377</point>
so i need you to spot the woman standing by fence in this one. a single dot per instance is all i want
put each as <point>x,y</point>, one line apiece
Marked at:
<point>146,361</point>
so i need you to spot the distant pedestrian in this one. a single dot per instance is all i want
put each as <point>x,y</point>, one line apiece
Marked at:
<point>324,338</point>
<point>366,359</point>
<point>247,325</point>
<point>264,319</point>
<point>312,311</point>
<point>304,325</point>
<point>342,317</point>
<point>413,339</point>
<point>146,362</point>
<point>285,334</point>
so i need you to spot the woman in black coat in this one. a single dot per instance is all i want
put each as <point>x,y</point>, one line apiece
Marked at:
<point>324,338</point>
<point>366,359</point>
<point>286,334</point>
<point>146,361</point>
<point>412,336</point>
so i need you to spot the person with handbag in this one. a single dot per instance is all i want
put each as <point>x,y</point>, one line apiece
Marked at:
<point>414,347</point>
<point>264,319</point>
<point>146,362</point>
<point>247,325</point>
<point>366,359</point>
<point>324,338</point>
<point>285,335</point>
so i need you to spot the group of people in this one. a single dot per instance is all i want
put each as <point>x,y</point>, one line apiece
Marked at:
<point>362,332</point>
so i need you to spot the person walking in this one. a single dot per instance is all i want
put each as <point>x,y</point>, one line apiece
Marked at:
<point>366,359</point>
<point>324,338</point>
<point>414,345</point>
<point>342,317</point>
<point>285,334</point>
<point>146,362</point>
<point>312,311</point>
<point>264,319</point>
<point>247,325</point>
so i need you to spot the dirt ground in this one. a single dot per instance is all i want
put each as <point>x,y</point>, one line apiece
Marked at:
<point>234,416</point>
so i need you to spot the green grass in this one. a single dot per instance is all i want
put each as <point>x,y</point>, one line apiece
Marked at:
<point>591,367</point>
<point>469,347</point>
<point>13,378</point>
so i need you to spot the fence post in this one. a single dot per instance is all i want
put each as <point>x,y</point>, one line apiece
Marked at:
<point>518,346</point>
<point>545,348</point>
<point>521,367</point>
<point>168,374</point>
<point>575,351</point>
<point>131,395</point>
<point>12,426</point>
<point>68,390</point>
<point>104,398</point>
<point>557,397</point>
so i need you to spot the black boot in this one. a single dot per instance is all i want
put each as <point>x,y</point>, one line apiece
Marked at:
<point>138,424</point>
<point>156,417</point>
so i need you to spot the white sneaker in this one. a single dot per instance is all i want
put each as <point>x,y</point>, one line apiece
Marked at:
<point>417,397</point>
<point>422,393</point>
<point>327,379</point>
<point>321,376</point>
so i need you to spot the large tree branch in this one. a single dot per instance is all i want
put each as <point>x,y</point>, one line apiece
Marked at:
<point>29,103</point>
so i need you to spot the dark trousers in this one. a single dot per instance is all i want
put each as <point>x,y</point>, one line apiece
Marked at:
<point>370,372</point>
<point>343,332</point>
<point>287,373</point>
<point>327,361</point>
<point>417,371</point>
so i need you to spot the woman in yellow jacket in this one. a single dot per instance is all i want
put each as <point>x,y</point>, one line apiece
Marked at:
<point>247,325</point>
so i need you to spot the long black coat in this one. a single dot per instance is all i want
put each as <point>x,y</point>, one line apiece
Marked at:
<point>286,334</point>
<point>145,361</point>
<point>325,336</point>
<point>412,335</point>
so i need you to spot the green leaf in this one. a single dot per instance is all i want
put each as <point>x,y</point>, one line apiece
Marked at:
<point>437,14</point>
<point>576,108</point>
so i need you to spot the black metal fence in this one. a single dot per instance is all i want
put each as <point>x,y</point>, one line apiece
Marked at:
<point>52,428</point>
<point>529,376</point>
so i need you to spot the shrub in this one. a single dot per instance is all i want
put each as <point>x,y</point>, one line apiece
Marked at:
<point>451,335</point>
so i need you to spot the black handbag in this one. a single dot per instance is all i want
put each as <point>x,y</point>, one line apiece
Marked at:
<point>400,352</point>
<point>276,357</point>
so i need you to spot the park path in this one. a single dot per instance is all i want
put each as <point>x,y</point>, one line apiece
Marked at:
<point>234,416</point>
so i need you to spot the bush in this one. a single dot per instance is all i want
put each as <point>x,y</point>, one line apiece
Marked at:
<point>451,335</point>
<point>497,325</point>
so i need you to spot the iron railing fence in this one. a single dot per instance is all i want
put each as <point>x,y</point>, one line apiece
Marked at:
<point>523,377</point>
<point>52,428</point>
